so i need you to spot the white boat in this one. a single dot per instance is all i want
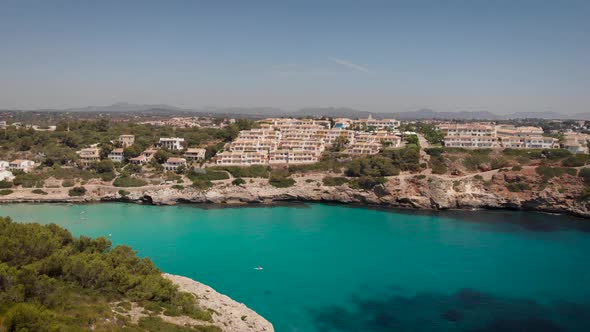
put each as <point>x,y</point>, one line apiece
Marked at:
<point>259,268</point>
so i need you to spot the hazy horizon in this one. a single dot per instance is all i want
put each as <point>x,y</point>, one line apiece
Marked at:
<point>376,56</point>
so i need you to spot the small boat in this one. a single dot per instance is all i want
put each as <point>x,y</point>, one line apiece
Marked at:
<point>259,268</point>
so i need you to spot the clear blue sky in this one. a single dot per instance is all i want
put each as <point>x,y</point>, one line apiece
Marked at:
<point>500,56</point>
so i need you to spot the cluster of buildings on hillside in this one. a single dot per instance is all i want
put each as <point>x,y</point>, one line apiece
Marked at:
<point>4,125</point>
<point>190,122</point>
<point>489,135</point>
<point>302,141</point>
<point>90,155</point>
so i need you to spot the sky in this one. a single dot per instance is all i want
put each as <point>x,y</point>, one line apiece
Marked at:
<point>378,56</point>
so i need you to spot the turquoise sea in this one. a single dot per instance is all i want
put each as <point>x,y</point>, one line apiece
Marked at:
<point>339,268</point>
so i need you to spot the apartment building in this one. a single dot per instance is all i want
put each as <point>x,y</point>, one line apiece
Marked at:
<point>488,135</point>
<point>330,136</point>
<point>173,163</point>
<point>295,141</point>
<point>195,154</point>
<point>4,165</point>
<point>576,142</point>
<point>382,137</point>
<point>258,145</point>
<point>370,122</point>
<point>293,157</point>
<point>126,140</point>
<point>88,156</point>
<point>262,134</point>
<point>172,143</point>
<point>238,158</point>
<point>116,155</point>
<point>468,129</point>
<point>481,142</point>
<point>139,160</point>
<point>364,148</point>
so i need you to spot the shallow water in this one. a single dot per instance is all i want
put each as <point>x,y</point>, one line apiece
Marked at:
<point>336,268</point>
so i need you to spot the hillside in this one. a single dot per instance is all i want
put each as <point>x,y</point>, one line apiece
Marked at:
<point>52,281</point>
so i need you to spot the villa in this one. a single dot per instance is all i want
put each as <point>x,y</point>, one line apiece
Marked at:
<point>172,143</point>
<point>173,163</point>
<point>22,165</point>
<point>126,140</point>
<point>88,156</point>
<point>116,155</point>
<point>195,154</point>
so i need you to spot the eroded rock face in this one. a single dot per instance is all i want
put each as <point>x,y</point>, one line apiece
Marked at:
<point>229,315</point>
<point>409,191</point>
<point>562,194</point>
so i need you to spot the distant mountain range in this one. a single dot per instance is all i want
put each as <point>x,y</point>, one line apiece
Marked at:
<point>325,112</point>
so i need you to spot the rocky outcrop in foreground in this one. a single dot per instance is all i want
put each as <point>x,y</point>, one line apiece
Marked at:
<point>228,314</point>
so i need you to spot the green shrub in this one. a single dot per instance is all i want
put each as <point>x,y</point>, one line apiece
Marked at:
<point>62,283</point>
<point>575,160</point>
<point>516,168</point>
<point>475,161</point>
<point>281,182</point>
<point>5,184</point>
<point>108,176</point>
<point>434,152</point>
<point>124,192</point>
<point>67,183</point>
<point>498,162</point>
<point>39,192</point>
<point>437,164</point>
<point>548,172</point>
<point>254,171</point>
<point>202,184</point>
<point>209,175</point>
<point>517,186</point>
<point>77,191</point>
<point>28,180</point>
<point>5,192</point>
<point>333,181</point>
<point>178,187</point>
<point>238,182</point>
<point>584,173</point>
<point>367,182</point>
<point>127,181</point>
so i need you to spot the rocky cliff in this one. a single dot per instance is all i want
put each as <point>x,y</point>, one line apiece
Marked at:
<point>228,314</point>
<point>560,195</point>
<point>493,189</point>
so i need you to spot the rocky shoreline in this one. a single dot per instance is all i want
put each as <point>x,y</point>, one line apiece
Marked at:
<point>485,190</point>
<point>228,314</point>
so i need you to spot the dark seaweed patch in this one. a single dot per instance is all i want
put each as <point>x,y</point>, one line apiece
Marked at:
<point>465,310</point>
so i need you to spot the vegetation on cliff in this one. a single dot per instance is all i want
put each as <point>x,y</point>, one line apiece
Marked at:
<point>52,281</point>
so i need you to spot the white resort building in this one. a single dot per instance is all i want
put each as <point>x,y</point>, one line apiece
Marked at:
<point>488,135</point>
<point>172,143</point>
<point>302,141</point>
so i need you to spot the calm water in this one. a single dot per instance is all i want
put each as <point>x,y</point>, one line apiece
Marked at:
<point>335,268</point>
